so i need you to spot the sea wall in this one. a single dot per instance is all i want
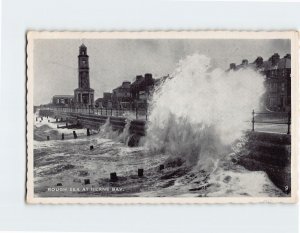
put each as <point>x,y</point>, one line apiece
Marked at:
<point>46,112</point>
<point>271,153</point>
<point>137,127</point>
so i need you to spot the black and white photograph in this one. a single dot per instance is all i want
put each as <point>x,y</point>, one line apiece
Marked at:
<point>161,117</point>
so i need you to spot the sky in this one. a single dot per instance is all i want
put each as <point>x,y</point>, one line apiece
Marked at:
<point>113,61</point>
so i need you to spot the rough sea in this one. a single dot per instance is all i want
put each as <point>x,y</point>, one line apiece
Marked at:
<point>62,168</point>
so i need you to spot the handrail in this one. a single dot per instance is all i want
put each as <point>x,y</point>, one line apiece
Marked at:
<point>287,116</point>
<point>138,113</point>
<point>143,114</point>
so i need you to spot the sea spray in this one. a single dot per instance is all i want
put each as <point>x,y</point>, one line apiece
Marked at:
<point>106,131</point>
<point>200,111</point>
<point>123,137</point>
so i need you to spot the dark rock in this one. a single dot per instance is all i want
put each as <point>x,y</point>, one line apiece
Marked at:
<point>83,173</point>
<point>174,174</point>
<point>227,179</point>
<point>174,162</point>
<point>234,160</point>
<point>202,187</point>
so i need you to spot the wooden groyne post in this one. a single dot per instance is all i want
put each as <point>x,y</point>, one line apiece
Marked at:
<point>113,176</point>
<point>140,172</point>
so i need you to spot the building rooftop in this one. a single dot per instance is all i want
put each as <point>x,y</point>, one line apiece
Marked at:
<point>63,96</point>
<point>144,81</point>
<point>82,45</point>
<point>274,62</point>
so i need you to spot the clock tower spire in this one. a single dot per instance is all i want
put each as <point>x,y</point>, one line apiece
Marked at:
<point>84,95</point>
<point>83,68</point>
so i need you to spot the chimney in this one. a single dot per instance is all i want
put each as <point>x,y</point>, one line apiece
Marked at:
<point>139,77</point>
<point>232,66</point>
<point>126,84</point>
<point>245,62</point>
<point>259,61</point>
<point>275,59</point>
<point>148,78</point>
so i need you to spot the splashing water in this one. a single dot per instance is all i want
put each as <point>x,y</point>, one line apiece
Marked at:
<point>106,131</point>
<point>201,111</point>
<point>123,137</point>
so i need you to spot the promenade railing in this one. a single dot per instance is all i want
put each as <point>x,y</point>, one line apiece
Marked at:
<point>279,122</point>
<point>276,122</point>
<point>137,113</point>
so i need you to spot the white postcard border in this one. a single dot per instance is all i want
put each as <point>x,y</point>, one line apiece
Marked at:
<point>292,35</point>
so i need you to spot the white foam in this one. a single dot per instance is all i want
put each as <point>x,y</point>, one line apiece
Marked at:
<point>202,110</point>
<point>241,183</point>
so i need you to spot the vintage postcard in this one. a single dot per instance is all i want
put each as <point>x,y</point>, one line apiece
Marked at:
<point>162,117</point>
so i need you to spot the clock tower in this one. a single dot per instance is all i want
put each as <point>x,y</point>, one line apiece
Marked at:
<point>84,95</point>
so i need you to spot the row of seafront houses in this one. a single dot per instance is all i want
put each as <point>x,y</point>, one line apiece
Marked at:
<point>277,73</point>
<point>129,96</point>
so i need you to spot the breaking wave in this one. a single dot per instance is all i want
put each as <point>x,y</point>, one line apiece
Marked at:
<point>199,112</point>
